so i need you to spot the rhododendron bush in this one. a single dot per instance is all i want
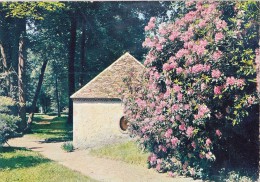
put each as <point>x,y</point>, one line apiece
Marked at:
<point>199,86</point>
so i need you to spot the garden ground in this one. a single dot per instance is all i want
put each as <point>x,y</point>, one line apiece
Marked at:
<point>100,169</point>
<point>123,162</point>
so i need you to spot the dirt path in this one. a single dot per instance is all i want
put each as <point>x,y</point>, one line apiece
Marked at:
<point>97,168</point>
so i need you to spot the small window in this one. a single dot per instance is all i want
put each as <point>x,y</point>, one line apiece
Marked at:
<point>123,124</point>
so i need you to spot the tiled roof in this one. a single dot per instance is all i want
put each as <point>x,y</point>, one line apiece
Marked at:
<point>109,81</point>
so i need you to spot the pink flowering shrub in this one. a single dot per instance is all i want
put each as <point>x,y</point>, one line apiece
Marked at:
<point>199,83</point>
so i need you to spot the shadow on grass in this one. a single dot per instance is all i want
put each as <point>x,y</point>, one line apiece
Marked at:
<point>18,158</point>
<point>57,130</point>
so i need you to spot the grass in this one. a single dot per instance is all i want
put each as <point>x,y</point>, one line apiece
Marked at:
<point>51,128</point>
<point>127,152</point>
<point>19,164</point>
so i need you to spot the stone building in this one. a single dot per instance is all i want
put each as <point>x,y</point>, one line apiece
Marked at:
<point>97,108</point>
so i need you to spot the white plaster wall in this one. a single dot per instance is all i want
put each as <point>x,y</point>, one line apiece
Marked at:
<point>96,123</point>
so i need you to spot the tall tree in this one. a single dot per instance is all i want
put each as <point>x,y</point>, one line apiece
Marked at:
<point>22,12</point>
<point>36,95</point>
<point>71,67</point>
<point>21,74</point>
<point>82,52</point>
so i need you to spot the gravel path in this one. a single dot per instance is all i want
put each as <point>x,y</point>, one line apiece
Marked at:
<point>97,168</point>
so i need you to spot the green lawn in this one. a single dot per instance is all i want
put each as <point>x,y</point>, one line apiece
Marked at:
<point>51,128</point>
<point>18,164</point>
<point>127,152</point>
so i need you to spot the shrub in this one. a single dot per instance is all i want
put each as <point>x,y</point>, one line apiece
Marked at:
<point>8,122</point>
<point>67,146</point>
<point>199,86</point>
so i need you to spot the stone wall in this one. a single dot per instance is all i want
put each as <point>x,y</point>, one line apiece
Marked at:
<point>96,123</point>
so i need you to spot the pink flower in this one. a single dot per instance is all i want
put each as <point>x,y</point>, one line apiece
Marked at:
<point>201,155</point>
<point>179,70</point>
<point>156,75</point>
<point>208,155</point>
<point>200,50</point>
<point>178,117</point>
<point>167,67</point>
<point>203,43</point>
<point>189,131</point>
<point>182,127</point>
<point>217,90</point>
<point>190,91</point>
<point>208,142</point>
<point>161,118</point>
<point>152,105</point>
<point>146,28</point>
<point>150,26</point>
<point>233,81</point>
<point>218,133</point>
<point>197,68</point>
<point>141,103</point>
<point>168,133</point>
<point>173,36</point>
<point>174,141</point>
<point>240,82</point>
<point>171,174</point>
<point>230,81</point>
<point>148,43</point>
<point>162,40</point>
<point>162,31</point>
<point>215,73</point>
<point>193,144</point>
<point>152,158</point>
<point>190,16</point>
<point>152,19</point>
<point>192,171</point>
<point>159,47</point>
<point>221,24</point>
<point>175,107</point>
<point>186,106</point>
<point>158,167</point>
<point>149,58</point>
<point>181,53</point>
<point>216,55</point>
<point>185,165</point>
<point>176,88</point>
<point>202,24</point>
<point>219,36</point>
<point>202,110</point>
<point>251,100</point>
<point>203,86</point>
<point>179,96</point>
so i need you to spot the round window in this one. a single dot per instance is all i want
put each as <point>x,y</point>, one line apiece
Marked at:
<point>123,123</point>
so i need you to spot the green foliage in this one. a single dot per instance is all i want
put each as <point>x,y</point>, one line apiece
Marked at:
<point>8,121</point>
<point>31,9</point>
<point>195,103</point>
<point>67,146</point>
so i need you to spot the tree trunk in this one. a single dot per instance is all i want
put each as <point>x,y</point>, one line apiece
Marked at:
<point>21,76</point>
<point>258,87</point>
<point>36,95</point>
<point>4,61</point>
<point>5,51</point>
<point>57,95</point>
<point>5,70</point>
<point>71,71</point>
<point>82,56</point>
